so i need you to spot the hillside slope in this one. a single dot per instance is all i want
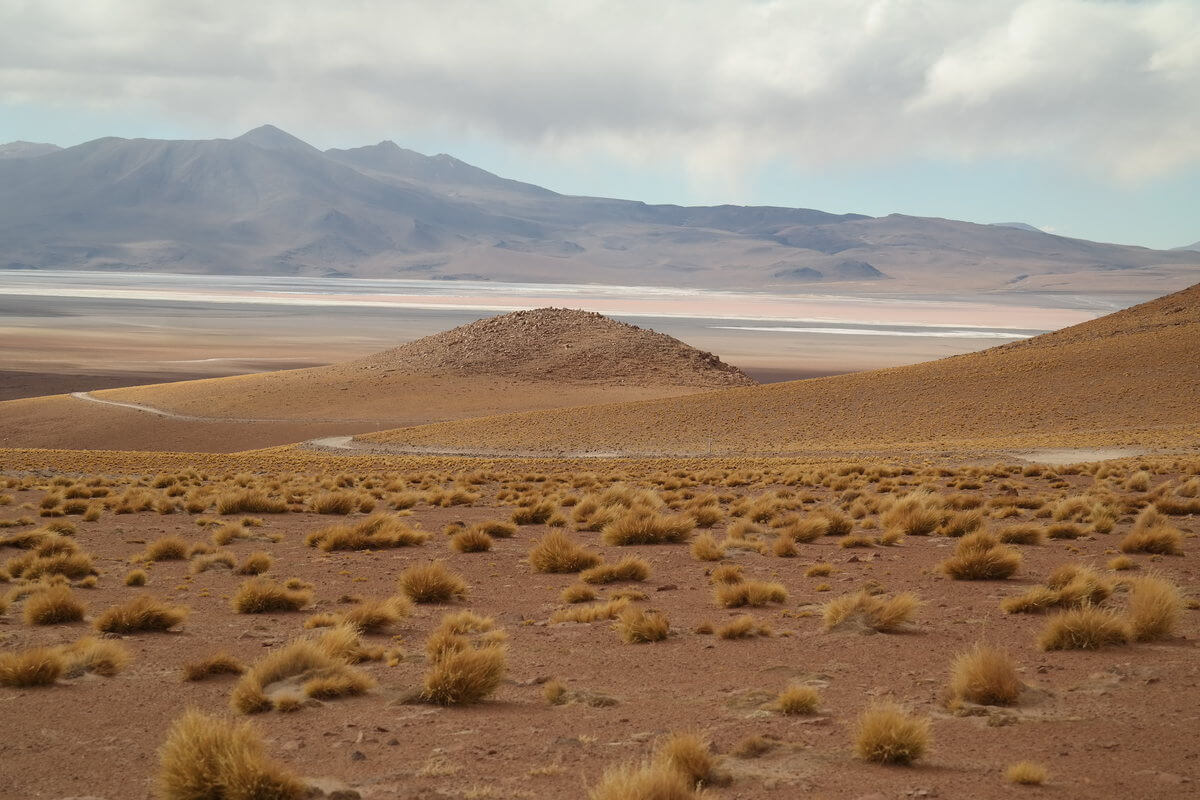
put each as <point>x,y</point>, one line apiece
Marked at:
<point>1129,378</point>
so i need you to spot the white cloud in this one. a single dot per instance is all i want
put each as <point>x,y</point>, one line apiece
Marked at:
<point>716,85</point>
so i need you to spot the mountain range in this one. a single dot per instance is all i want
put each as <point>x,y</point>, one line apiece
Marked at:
<point>267,203</point>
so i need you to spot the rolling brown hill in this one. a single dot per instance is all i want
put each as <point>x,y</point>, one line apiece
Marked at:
<point>1130,378</point>
<point>540,359</point>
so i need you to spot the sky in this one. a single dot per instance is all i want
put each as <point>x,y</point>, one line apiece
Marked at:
<point>1081,117</point>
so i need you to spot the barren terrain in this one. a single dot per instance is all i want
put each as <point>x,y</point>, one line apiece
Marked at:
<point>1118,721</point>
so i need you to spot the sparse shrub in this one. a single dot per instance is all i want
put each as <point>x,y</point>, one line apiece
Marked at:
<point>370,616</point>
<point>646,526</point>
<point>206,758</point>
<point>887,734</point>
<point>537,514</point>
<point>609,609</point>
<point>1155,605</point>
<point>1020,534</point>
<point>465,676</point>
<point>819,570</point>
<point>858,540</point>
<point>785,547</point>
<point>1026,773</point>
<point>471,540</point>
<point>631,568</point>
<point>916,514</point>
<point>1065,530</point>
<point>264,596</point>
<point>636,625</point>
<point>556,552</point>
<point>743,627</point>
<point>1086,628</point>
<point>333,503</point>
<point>986,676</point>
<point>980,556</point>
<point>432,583</point>
<point>690,756</point>
<point>1163,539</point>
<point>1070,586</point>
<point>706,548</point>
<point>168,548</point>
<point>53,606</point>
<point>808,529</point>
<point>754,746</point>
<point>376,532</point>
<point>203,563</point>
<point>795,700</point>
<point>578,593</point>
<point>863,610</point>
<point>218,664</point>
<point>255,564</point>
<point>1121,563</point>
<point>249,501</point>
<point>750,593</point>
<point>97,656</point>
<point>141,614</point>
<point>643,782</point>
<point>301,658</point>
<point>40,666</point>
<point>497,529</point>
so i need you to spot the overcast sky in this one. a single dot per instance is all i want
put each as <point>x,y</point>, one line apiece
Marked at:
<point>1079,116</point>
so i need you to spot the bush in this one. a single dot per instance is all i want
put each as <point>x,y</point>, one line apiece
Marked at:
<point>40,666</point>
<point>376,532</point>
<point>796,700</point>
<point>869,612</point>
<point>471,540</point>
<point>1086,628</point>
<point>1155,605</point>
<point>986,676</point>
<point>465,676</point>
<point>558,553</point>
<point>141,614</point>
<point>432,583</point>
<point>249,501</point>
<point>264,596</point>
<point>646,526</point>
<point>887,734</point>
<point>53,606</point>
<point>627,569</point>
<point>637,626</point>
<point>750,593</point>
<point>980,557</point>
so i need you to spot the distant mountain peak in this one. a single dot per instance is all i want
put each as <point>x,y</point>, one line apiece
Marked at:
<point>1020,226</point>
<point>23,149</point>
<point>269,137</point>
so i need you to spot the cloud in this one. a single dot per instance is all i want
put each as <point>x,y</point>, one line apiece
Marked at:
<point>716,85</point>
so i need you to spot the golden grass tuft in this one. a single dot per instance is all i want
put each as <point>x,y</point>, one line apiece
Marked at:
<point>743,627</point>
<point>371,616</point>
<point>631,568</point>
<point>471,540</point>
<point>1086,628</point>
<point>432,583</point>
<point>642,525</point>
<point>865,611</point>
<point>691,757</point>
<point>797,700</point>
<point>1026,773</point>
<point>53,606</point>
<point>136,577</point>
<point>980,556</point>
<point>819,570</point>
<point>1163,539</point>
<point>1069,586</point>
<point>465,676</point>
<point>706,548</point>
<point>578,593</point>
<point>985,676</point>
<point>249,501</point>
<point>333,503</point>
<point>1155,605</point>
<point>376,532</point>
<point>40,666</point>
<point>556,552</point>
<point>255,564</point>
<point>204,757</point>
<point>265,596</point>
<point>643,782</point>
<point>301,660</point>
<point>887,734</point>
<point>140,615</point>
<point>217,664</point>
<point>749,593</point>
<point>96,656</point>
<point>637,626</point>
<point>610,609</point>
<point>1021,534</point>
<point>168,548</point>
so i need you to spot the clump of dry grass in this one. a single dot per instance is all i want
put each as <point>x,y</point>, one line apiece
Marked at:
<point>691,757</point>
<point>39,666</point>
<point>136,577</point>
<point>97,656</point>
<point>376,532</point>
<point>204,757</point>
<point>643,782</point>
<point>556,552</point>
<point>471,540</point>
<point>319,666</point>
<point>749,593</point>
<point>464,670</point>
<point>979,556</point>
<point>1026,773</point>
<point>265,596</point>
<point>333,503</point>
<point>1086,628</point>
<point>642,525</point>
<point>432,583</point>
<point>217,664</point>
<point>986,676</point>
<point>1155,605</point>
<point>819,570</point>
<point>1021,534</point>
<point>796,700</point>
<point>1152,533</point>
<point>255,564</point>
<point>53,606</point>
<point>141,614</point>
<point>706,548</point>
<point>637,626</point>
<point>864,611</point>
<point>204,562</point>
<point>1121,563</point>
<point>631,568</point>
<point>1069,586</point>
<point>168,548</point>
<point>743,627</point>
<point>578,593</point>
<point>249,501</point>
<point>887,734</point>
<point>497,529</point>
<point>918,513</point>
<point>1065,530</point>
<point>610,609</point>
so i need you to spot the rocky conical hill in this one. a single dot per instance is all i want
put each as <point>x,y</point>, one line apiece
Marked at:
<point>561,344</point>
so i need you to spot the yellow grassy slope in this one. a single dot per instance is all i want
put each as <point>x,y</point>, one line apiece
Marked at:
<point>1130,378</point>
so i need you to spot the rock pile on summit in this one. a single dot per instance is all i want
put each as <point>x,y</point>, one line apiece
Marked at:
<point>561,344</point>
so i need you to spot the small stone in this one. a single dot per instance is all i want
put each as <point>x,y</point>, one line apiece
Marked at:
<point>358,755</point>
<point>666,587</point>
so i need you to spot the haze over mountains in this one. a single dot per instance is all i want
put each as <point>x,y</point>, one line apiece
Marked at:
<point>268,203</point>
